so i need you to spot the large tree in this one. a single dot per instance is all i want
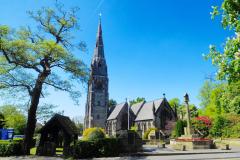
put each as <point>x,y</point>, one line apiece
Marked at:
<point>227,60</point>
<point>32,59</point>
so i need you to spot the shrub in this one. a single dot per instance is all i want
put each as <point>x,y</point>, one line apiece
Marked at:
<point>202,124</point>
<point>145,136</point>
<point>10,148</point>
<point>99,148</point>
<point>179,128</point>
<point>218,125</point>
<point>134,128</point>
<point>93,134</point>
<point>232,127</point>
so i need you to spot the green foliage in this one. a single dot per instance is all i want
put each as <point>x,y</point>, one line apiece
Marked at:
<point>107,147</point>
<point>78,123</point>
<point>8,148</point>
<point>14,118</point>
<point>232,126</point>
<point>228,62</point>
<point>175,102</point>
<point>205,93</point>
<point>201,125</point>
<point>218,125</point>
<point>112,103</point>
<point>179,128</point>
<point>134,128</point>
<point>145,135</point>
<point>181,108</point>
<point>2,121</point>
<point>227,126</point>
<point>224,98</point>
<point>230,98</point>
<point>93,134</point>
<point>137,100</point>
<point>214,107</point>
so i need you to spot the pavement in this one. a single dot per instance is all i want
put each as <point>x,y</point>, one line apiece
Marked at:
<point>155,153</point>
<point>154,150</point>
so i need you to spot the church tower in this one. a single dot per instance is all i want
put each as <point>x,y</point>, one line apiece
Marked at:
<point>97,97</point>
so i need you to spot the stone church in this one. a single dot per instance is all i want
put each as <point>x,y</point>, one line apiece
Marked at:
<point>155,114</point>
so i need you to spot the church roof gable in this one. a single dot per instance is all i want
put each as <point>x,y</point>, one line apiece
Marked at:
<point>146,112</point>
<point>158,103</point>
<point>116,111</point>
<point>136,107</point>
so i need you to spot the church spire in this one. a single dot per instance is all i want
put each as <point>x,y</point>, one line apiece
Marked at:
<point>99,49</point>
<point>99,33</point>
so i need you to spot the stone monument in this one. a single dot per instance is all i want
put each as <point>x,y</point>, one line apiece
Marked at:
<point>190,140</point>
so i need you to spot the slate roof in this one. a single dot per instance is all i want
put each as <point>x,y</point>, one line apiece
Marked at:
<point>136,107</point>
<point>63,122</point>
<point>146,112</point>
<point>116,111</point>
<point>158,103</point>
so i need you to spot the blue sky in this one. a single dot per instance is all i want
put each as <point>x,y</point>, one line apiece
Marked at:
<point>151,47</point>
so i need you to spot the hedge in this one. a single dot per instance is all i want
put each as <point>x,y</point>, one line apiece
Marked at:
<point>98,148</point>
<point>10,148</point>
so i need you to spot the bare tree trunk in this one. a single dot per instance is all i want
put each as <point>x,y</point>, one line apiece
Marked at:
<point>31,122</point>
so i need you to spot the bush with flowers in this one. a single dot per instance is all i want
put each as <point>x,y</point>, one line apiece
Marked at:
<point>201,125</point>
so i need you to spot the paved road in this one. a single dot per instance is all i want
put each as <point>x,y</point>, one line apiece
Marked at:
<point>218,156</point>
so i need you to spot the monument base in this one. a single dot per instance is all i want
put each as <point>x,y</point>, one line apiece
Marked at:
<point>190,142</point>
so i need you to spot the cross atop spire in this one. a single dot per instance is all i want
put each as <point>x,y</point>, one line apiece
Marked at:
<point>99,33</point>
<point>100,17</point>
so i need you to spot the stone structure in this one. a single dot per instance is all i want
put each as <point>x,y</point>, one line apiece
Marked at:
<point>59,131</point>
<point>155,114</point>
<point>118,119</point>
<point>97,98</point>
<point>189,140</point>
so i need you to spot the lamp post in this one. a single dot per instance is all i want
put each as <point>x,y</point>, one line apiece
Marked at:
<point>186,99</point>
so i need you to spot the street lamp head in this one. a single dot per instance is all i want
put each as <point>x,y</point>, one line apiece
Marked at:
<point>186,98</point>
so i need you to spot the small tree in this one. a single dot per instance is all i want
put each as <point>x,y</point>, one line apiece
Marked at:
<point>111,103</point>
<point>32,60</point>
<point>179,128</point>
<point>137,100</point>
<point>14,118</point>
<point>218,126</point>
